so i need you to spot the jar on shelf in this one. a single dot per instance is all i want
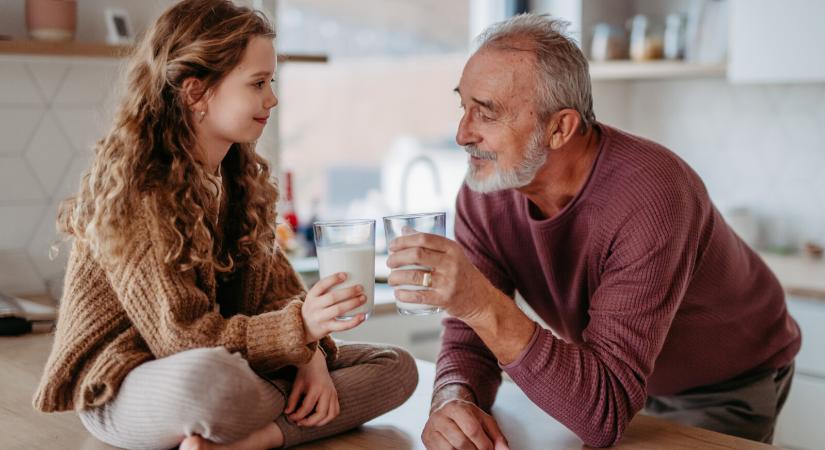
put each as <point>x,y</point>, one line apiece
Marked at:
<point>646,39</point>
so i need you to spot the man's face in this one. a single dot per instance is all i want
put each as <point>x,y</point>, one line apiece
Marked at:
<point>500,129</point>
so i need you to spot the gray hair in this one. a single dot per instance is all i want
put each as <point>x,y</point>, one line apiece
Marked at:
<point>564,76</point>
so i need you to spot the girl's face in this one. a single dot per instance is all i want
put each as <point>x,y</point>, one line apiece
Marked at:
<point>237,109</point>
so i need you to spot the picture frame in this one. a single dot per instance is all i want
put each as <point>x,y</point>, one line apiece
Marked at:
<point>119,27</point>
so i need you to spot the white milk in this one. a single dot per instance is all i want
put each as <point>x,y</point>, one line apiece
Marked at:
<point>414,308</point>
<point>358,262</point>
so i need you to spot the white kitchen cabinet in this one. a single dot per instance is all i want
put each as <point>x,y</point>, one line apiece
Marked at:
<point>810,315</point>
<point>776,42</point>
<point>800,423</point>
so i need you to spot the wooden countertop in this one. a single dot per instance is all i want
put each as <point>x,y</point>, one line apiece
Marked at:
<point>526,426</point>
<point>800,276</point>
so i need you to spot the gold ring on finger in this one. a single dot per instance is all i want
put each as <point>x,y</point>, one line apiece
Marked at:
<point>427,281</point>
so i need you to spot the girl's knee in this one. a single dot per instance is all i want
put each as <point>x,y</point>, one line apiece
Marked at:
<point>212,370</point>
<point>403,371</point>
<point>216,393</point>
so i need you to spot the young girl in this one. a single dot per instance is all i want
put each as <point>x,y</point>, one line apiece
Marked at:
<point>181,323</point>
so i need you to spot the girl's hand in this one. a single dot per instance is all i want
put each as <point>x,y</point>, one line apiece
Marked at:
<point>317,394</point>
<point>322,306</point>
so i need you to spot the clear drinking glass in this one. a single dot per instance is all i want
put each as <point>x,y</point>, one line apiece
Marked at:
<point>348,246</point>
<point>395,226</point>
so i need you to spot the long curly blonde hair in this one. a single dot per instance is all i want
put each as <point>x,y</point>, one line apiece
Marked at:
<point>147,160</point>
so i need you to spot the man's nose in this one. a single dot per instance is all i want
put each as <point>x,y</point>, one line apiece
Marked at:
<point>464,135</point>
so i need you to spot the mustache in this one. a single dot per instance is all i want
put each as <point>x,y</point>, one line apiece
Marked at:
<point>480,154</point>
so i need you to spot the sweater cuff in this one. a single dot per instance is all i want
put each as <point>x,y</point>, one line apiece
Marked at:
<point>277,338</point>
<point>530,344</point>
<point>330,349</point>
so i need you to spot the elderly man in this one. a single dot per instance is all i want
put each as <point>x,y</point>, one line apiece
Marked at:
<point>652,300</point>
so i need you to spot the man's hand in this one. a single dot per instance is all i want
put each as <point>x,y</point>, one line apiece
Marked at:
<point>456,285</point>
<point>458,423</point>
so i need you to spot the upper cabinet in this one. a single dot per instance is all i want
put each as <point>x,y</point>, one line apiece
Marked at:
<point>777,42</point>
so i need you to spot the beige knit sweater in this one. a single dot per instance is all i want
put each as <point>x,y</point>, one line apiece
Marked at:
<point>111,321</point>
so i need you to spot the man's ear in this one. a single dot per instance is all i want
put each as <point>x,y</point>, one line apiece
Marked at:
<point>194,94</point>
<point>561,127</point>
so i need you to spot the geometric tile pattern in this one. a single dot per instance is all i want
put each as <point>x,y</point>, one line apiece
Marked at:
<point>51,113</point>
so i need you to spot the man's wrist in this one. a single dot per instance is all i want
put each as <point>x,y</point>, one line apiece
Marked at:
<point>503,327</point>
<point>489,309</point>
<point>450,392</point>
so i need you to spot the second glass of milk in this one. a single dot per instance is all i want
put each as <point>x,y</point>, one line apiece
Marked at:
<point>348,246</point>
<point>395,226</point>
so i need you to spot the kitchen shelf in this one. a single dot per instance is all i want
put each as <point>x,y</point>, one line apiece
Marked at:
<point>81,49</point>
<point>100,50</point>
<point>652,70</point>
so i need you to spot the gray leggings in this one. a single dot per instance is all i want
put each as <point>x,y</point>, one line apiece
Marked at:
<point>215,394</point>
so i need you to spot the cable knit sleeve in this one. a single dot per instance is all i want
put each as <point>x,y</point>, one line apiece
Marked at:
<point>285,286</point>
<point>172,314</point>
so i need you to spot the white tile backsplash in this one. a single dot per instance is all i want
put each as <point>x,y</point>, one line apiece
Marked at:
<point>18,185</point>
<point>87,84</point>
<point>50,118</point>
<point>18,86</point>
<point>49,153</point>
<point>82,125</point>
<point>16,233</point>
<point>16,127</point>
<point>45,236</point>
<point>48,76</point>
<point>761,147</point>
<point>70,183</point>
<point>18,274</point>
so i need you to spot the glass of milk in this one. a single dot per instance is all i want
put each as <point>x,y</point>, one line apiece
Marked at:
<point>394,226</point>
<point>348,246</point>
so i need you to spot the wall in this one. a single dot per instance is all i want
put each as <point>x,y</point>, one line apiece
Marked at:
<point>51,113</point>
<point>761,147</point>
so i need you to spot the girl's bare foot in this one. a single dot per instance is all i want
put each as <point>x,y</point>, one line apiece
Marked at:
<point>267,437</point>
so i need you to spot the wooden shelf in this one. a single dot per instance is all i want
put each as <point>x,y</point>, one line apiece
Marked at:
<point>71,48</point>
<point>651,70</point>
<point>101,50</point>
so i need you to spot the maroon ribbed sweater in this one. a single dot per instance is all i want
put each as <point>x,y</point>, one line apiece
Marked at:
<point>647,288</point>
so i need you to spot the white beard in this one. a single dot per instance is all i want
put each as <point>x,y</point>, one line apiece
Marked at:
<point>523,174</point>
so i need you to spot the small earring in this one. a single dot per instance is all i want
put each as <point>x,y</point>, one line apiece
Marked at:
<point>201,114</point>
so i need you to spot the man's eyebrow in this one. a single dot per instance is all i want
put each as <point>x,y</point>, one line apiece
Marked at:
<point>489,104</point>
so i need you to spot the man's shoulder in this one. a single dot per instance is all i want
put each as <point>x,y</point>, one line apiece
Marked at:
<point>640,165</point>
<point>637,154</point>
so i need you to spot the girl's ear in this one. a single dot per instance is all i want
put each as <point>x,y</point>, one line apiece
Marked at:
<point>194,94</point>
